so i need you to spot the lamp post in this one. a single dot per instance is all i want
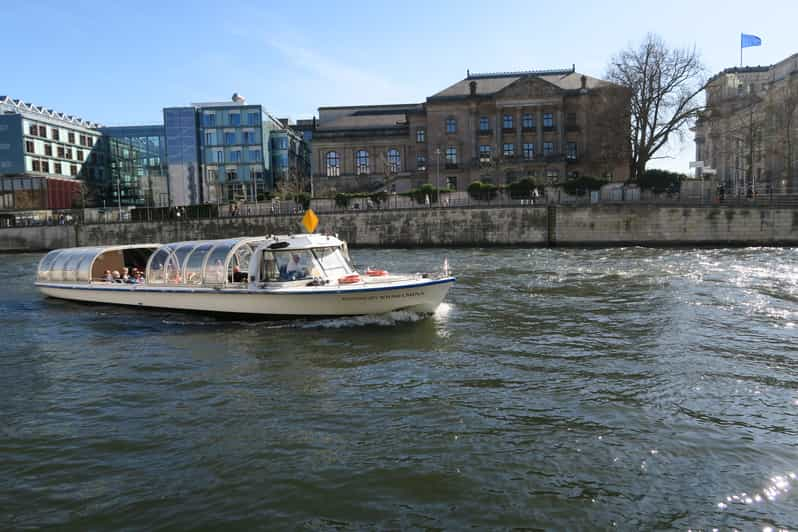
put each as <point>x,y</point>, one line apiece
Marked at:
<point>119,196</point>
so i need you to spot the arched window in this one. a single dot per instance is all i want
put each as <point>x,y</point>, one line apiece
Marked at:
<point>361,162</point>
<point>333,164</point>
<point>394,161</point>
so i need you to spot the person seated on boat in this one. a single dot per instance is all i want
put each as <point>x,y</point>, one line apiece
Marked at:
<point>296,270</point>
<point>108,277</point>
<point>239,276</point>
<point>125,277</point>
<point>138,278</point>
<point>117,277</point>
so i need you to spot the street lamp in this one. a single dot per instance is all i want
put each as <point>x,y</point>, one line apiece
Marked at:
<point>437,167</point>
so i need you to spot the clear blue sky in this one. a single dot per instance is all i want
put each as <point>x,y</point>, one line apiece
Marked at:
<point>120,63</point>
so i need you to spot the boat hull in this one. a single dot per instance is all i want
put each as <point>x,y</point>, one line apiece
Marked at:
<point>422,296</point>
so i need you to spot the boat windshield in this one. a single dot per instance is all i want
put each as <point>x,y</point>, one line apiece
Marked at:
<point>333,262</point>
<point>290,265</point>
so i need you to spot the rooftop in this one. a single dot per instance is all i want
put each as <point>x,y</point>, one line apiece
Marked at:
<point>9,105</point>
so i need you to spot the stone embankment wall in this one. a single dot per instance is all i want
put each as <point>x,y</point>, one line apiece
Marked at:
<point>604,225</point>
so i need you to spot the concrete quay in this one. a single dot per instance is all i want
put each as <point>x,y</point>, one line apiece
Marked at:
<point>552,225</point>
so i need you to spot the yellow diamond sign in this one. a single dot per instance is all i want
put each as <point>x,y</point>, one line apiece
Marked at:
<point>310,220</point>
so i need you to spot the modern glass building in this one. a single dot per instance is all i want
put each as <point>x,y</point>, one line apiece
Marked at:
<point>133,159</point>
<point>182,157</point>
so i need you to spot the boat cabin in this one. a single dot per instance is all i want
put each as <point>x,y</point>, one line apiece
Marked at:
<point>233,263</point>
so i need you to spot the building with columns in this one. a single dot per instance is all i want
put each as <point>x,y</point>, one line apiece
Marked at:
<point>746,138</point>
<point>496,128</point>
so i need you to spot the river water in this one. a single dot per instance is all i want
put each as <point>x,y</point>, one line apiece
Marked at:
<point>565,389</point>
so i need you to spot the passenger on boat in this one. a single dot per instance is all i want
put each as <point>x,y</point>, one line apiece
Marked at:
<point>295,270</point>
<point>239,276</point>
<point>125,277</point>
<point>116,277</point>
<point>109,277</point>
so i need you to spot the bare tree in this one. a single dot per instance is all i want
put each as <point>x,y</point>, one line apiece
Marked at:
<point>783,108</point>
<point>665,84</point>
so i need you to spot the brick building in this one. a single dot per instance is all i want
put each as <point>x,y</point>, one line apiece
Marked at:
<point>549,125</point>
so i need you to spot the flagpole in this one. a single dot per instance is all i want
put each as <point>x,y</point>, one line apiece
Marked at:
<point>741,50</point>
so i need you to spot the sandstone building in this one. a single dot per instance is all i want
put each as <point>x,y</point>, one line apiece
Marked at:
<point>495,128</point>
<point>746,136</point>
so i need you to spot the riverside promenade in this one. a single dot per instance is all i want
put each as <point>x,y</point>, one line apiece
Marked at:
<point>506,225</point>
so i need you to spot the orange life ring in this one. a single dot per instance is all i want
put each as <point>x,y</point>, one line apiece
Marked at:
<point>376,273</point>
<point>349,279</point>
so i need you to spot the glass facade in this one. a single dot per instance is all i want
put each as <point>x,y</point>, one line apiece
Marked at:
<point>185,183</point>
<point>134,169</point>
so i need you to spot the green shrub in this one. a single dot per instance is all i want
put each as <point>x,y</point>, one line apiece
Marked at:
<point>659,181</point>
<point>522,188</point>
<point>482,191</point>
<point>579,186</point>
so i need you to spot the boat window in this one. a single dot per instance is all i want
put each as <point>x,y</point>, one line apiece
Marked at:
<point>46,264</point>
<point>84,265</point>
<point>57,270</point>
<point>156,274</point>
<point>296,264</point>
<point>269,270</point>
<point>332,261</point>
<point>215,269</point>
<point>194,263</point>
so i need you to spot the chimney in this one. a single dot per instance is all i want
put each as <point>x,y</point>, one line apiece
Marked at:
<point>584,81</point>
<point>472,88</point>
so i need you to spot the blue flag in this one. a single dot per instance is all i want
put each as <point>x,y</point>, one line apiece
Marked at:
<point>749,40</point>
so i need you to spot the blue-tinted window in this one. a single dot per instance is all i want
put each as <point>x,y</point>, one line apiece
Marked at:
<point>528,121</point>
<point>548,120</point>
<point>451,125</point>
<point>209,119</point>
<point>548,148</point>
<point>252,119</point>
<point>507,122</point>
<point>220,156</point>
<point>210,138</point>
<point>254,155</point>
<point>484,125</point>
<point>229,137</point>
<point>235,156</point>
<point>249,137</point>
<point>235,119</point>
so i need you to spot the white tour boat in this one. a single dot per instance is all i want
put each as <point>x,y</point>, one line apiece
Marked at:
<point>293,275</point>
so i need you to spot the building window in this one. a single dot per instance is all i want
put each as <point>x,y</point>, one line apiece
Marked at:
<point>528,121</point>
<point>45,167</point>
<point>37,165</point>
<point>254,155</point>
<point>552,172</point>
<point>57,168</point>
<point>79,155</point>
<point>71,137</point>
<point>213,174</point>
<point>249,137</point>
<point>60,151</point>
<point>361,162</point>
<point>394,161</point>
<point>68,153</point>
<point>484,153</point>
<point>421,161</point>
<point>229,137</point>
<point>48,150</point>
<point>219,156</point>
<point>507,122</point>
<point>235,156</point>
<point>451,125</point>
<point>55,134</point>
<point>73,170</point>
<point>33,130</point>
<point>89,141</point>
<point>235,119</point>
<point>508,150</point>
<point>451,155</point>
<point>43,132</point>
<point>209,120</point>
<point>421,134</point>
<point>82,140</point>
<point>529,151</point>
<point>570,119</point>
<point>333,164</point>
<point>571,151</point>
<point>252,119</point>
<point>548,149</point>
<point>29,147</point>
<point>210,138</point>
<point>451,181</point>
<point>548,120</point>
<point>256,174</point>
<point>484,124</point>
<point>232,174</point>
